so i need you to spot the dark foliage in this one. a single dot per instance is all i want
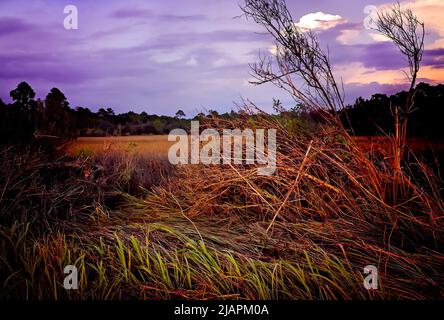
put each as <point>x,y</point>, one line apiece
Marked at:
<point>27,118</point>
<point>375,117</point>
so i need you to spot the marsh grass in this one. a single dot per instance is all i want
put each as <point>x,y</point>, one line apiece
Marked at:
<point>221,232</point>
<point>143,267</point>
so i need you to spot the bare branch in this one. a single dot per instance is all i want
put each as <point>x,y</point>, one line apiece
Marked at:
<point>298,56</point>
<point>402,27</point>
<point>407,33</point>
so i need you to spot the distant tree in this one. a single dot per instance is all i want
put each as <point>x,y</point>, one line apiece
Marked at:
<point>57,97</point>
<point>159,126</point>
<point>133,117</point>
<point>180,114</point>
<point>102,113</point>
<point>23,117</point>
<point>110,112</point>
<point>144,117</point>
<point>56,114</point>
<point>107,121</point>
<point>277,105</point>
<point>23,95</point>
<point>82,110</point>
<point>84,119</point>
<point>40,106</point>
<point>213,113</point>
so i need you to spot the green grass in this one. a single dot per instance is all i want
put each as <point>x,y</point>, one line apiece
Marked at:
<point>110,268</point>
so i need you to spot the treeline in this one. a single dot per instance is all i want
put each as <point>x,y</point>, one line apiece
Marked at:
<point>27,117</point>
<point>374,116</point>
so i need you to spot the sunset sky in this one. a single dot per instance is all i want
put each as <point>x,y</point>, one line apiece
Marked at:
<point>159,56</point>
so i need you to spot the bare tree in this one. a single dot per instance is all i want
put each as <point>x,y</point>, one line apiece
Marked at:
<point>402,27</point>
<point>297,56</point>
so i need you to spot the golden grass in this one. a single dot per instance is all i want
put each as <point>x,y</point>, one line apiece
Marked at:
<point>148,145</point>
<point>158,145</point>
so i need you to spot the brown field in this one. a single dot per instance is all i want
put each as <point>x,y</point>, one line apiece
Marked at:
<point>154,145</point>
<point>157,145</point>
<point>383,144</point>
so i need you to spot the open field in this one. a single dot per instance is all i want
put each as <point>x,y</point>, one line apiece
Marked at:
<point>150,145</point>
<point>159,144</point>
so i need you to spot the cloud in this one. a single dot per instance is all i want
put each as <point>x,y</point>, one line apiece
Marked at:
<point>366,90</point>
<point>148,14</point>
<point>364,57</point>
<point>359,35</point>
<point>10,25</point>
<point>194,17</point>
<point>428,11</point>
<point>431,12</point>
<point>131,13</point>
<point>376,55</point>
<point>192,61</point>
<point>433,57</point>
<point>319,21</point>
<point>358,74</point>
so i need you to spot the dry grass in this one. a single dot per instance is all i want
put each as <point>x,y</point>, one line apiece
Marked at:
<point>327,199</point>
<point>383,144</point>
<point>156,145</point>
<point>221,232</point>
<point>139,161</point>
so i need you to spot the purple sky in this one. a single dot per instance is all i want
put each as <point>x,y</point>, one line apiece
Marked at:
<point>159,56</point>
